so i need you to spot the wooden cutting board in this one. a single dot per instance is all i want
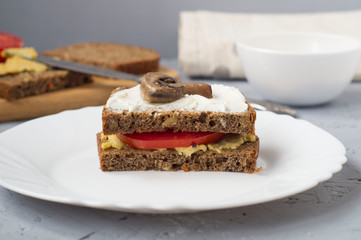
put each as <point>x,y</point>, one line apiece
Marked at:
<point>92,94</point>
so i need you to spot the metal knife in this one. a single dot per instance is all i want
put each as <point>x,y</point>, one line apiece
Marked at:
<point>82,68</point>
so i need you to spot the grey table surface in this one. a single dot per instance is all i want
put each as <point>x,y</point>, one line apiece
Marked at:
<point>331,210</point>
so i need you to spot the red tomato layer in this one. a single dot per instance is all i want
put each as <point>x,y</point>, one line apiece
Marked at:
<point>9,41</point>
<point>156,140</point>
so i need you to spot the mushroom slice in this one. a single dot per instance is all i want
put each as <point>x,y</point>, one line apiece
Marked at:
<point>161,88</point>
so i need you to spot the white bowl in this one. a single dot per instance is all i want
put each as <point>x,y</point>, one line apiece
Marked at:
<point>299,68</point>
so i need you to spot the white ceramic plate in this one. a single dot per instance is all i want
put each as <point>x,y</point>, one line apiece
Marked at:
<point>55,158</point>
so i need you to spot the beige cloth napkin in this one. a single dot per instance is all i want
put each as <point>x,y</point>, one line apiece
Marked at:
<point>206,39</point>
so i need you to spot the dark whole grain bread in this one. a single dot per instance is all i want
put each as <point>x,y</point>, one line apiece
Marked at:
<point>185,121</point>
<point>126,58</point>
<point>15,86</point>
<point>242,159</point>
<point>155,118</point>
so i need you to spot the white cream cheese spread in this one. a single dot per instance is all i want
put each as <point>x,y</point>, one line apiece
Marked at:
<point>225,99</point>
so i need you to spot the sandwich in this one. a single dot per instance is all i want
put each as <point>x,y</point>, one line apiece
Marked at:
<point>22,78</point>
<point>165,125</point>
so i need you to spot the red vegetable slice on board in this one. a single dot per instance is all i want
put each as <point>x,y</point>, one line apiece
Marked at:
<point>9,41</point>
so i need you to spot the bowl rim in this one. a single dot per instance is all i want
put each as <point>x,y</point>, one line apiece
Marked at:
<point>242,44</point>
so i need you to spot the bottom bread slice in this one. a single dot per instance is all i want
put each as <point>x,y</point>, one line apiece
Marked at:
<point>242,159</point>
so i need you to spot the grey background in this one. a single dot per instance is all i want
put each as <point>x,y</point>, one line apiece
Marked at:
<point>47,24</point>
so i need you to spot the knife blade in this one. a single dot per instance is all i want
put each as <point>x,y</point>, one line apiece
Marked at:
<point>82,68</point>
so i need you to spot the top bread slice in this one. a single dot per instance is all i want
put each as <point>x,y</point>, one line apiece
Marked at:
<point>126,58</point>
<point>177,120</point>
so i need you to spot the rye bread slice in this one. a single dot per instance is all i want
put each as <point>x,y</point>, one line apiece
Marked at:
<point>178,121</point>
<point>242,159</point>
<point>126,58</point>
<point>15,86</point>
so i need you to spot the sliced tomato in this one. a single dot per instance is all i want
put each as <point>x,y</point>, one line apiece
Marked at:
<point>9,41</point>
<point>156,140</point>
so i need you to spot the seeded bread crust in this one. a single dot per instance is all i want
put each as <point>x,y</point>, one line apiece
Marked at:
<point>242,159</point>
<point>15,86</point>
<point>126,58</point>
<point>185,121</point>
